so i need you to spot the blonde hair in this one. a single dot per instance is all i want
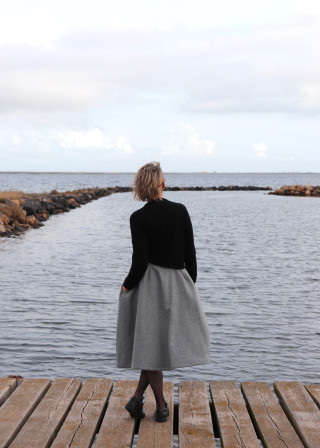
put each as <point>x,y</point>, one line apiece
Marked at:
<point>148,182</point>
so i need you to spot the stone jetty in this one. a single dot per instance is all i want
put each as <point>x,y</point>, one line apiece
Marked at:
<point>221,188</point>
<point>18,215</point>
<point>298,190</point>
<point>32,209</point>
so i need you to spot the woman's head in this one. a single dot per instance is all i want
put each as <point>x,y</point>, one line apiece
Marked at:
<point>148,182</point>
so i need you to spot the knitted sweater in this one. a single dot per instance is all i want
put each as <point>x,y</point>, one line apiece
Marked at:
<point>162,234</point>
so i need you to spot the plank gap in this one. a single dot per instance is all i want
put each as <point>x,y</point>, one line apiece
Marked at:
<point>175,419</point>
<point>214,420</point>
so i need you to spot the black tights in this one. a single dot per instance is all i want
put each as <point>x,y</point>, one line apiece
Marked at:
<point>155,379</point>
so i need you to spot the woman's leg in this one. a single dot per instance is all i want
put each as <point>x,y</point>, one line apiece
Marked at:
<point>142,385</point>
<point>155,378</point>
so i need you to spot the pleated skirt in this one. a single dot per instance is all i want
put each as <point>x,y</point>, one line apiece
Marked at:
<point>161,323</point>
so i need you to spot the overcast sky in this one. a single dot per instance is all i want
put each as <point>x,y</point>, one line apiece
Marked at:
<point>200,85</point>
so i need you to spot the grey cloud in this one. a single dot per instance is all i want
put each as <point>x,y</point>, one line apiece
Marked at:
<point>272,68</point>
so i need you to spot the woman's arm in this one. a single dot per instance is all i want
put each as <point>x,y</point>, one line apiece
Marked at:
<point>139,251</point>
<point>190,251</point>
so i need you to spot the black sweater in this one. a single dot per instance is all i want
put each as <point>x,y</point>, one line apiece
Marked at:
<point>162,234</point>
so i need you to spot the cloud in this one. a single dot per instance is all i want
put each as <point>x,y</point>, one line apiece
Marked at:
<point>260,150</point>
<point>268,68</point>
<point>185,140</point>
<point>73,141</point>
<point>93,138</point>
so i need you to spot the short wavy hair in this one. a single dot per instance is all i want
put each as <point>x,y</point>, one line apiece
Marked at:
<point>148,182</point>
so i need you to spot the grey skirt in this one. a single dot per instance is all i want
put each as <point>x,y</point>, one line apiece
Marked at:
<point>161,324</point>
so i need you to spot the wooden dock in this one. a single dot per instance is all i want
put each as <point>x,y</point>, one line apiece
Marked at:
<point>69,413</point>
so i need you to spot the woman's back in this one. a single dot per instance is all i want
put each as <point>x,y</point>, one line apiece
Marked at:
<point>161,234</point>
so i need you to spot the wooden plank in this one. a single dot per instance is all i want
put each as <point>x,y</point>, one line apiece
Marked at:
<point>195,421</point>
<point>301,410</point>
<point>117,427</point>
<point>21,403</point>
<point>80,426</point>
<point>314,391</point>
<point>44,423</point>
<point>153,434</point>
<point>235,426</point>
<point>272,424</point>
<point>7,386</point>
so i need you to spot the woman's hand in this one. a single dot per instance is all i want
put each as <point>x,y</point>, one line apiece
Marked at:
<point>124,289</point>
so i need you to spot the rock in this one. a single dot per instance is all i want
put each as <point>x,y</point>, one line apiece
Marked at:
<point>42,215</point>
<point>5,209</point>
<point>3,228</point>
<point>31,206</point>
<point>18,214</point>
<point>4,219</point>
<point>47,206</point>
<point>18,228</point>
<point>13,212</point>
<point>9,202</point>
<point>59,201</point>
<point>298,190</point>
<point>32,221</point>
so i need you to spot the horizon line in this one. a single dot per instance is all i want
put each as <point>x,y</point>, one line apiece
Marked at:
<point>167,172</point>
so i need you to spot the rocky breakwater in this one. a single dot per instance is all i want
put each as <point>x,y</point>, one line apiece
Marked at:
<point>298,190</point>
<point>221,188</point>
<point>29,211</point>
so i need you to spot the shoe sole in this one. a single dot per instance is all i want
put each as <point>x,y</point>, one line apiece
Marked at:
<point>161,419</point>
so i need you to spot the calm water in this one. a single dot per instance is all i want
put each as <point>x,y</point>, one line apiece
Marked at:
<point>258,278</point>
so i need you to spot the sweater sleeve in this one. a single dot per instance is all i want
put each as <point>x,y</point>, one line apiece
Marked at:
<point>139,252</point>
<point>190,251</point>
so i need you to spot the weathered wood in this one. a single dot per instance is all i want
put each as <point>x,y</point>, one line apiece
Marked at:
<point>235,426</point>
<point>44,423</point>
<point>271,423</point>
<point>33,414</point>
<point>301,410</point>
<point>314,391</point>
<point>154,434</point>
<point>7,386</point>
<point>117,427</point>
<point>195,421</point>
<point>80,426</point>
<point>21,403</point>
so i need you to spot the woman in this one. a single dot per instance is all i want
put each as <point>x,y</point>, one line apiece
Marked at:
<point>161,324</point>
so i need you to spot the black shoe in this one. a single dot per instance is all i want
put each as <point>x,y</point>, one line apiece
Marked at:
<point>134,407</point>
<point>161,414</point>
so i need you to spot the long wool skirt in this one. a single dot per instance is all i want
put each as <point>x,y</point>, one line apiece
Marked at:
<point>161,324</point>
